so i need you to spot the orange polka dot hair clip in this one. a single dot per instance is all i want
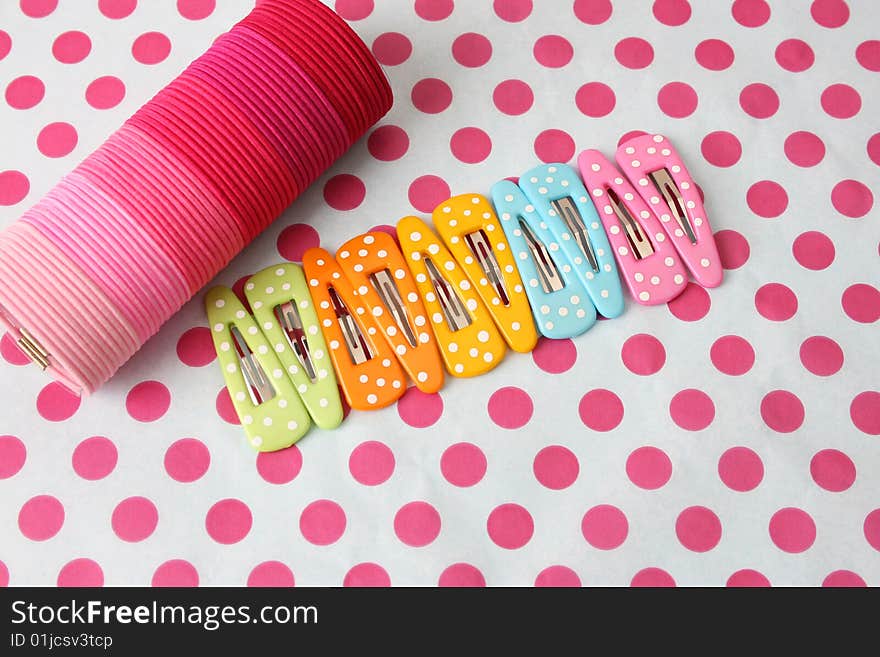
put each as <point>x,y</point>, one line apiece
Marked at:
<point>468,338</point>
<point>366,366</point>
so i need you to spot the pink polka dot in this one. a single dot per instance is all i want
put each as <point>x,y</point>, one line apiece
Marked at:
<point>427,192</point>
<point>56,403</point>
<point>224,407</point>
<point>634,53</point>
<point>94,458</point>
<point>804,149</point>
<point>431,96</point>
<point>691,305</point>
<point>554,146</point>
<point>5,44</point>
<point>861,303</point>
<point>873,148</point>
<point>187,460</point>
<point>747,578</point>
<point>388,143</point>
<point>420,409</point>
<point>721,148</point>
<point>792,530</point>
<point>554,356</point>
<point>512,11</point>
<point>461,575</point>
<point>750,13</point>
<point>271,574</point>
<point>463,464</point>
<point>648,467</point>
<point>776,302</point>
<point>371,463</point>
<point>4,575</point>
<point>14,187</point>
<point>643,354</point>
<point>843,578</point>
<point>841,101</point>
<point>385,228</point>
<point>698,529</point>
<point>741,469</point>
<point>344,192</point>
<point>417,524</point>
<point>228,521</point>
<point>41,517</point>
<point>510,408</point>
<point>72,47</point>
<point>759,100</point>
<point>595,99</point>
<point>57,140</point>
<point>295,240</point>
<point>652,578</point>
<point>852,198</point>
<point>830,13</point>
<point>871,529</point>
<point>151,48</point>
<point>867,54</point>
<point>392,48</point>
<point>513,97</point>
<point>714,54</point>
<point>81,572</point>
<point>732,355</point>
<point>782,411</point>
<point>367,575</point>
<point>25,92</point>
<point>553,51</point>
<point>592,12</point>
<point>632,134</point>
<point>354,10</point>
<point>470,145</point>
<point>116,9</point>
<point>733,248</point>
<point>558,577</point>
<point>11,352</point>
<point>767,199</point>
<point>322,522</point>
<point>105,92</point>
<point>677,99</point>
<point>601,410</point>
<point>472,50</point>
<point>176,573</point>
<point>822,356</point>
<point>148,401</point>
<point>832,470</point>
<point>280,467</point>
<point>864,411</point>
<point>672,12</point>
<point>556,467</point>
<point>510,526</point>
<point>13,454</point>
<point>37,8</point>
<point>195,348</point>
<point>692,409</point>
<point>605,527</point>
<point>434,10</point>
<point>134,519</point>
<point>794,55</point>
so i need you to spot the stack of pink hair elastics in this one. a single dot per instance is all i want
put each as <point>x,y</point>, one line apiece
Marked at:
<point>90,272</point>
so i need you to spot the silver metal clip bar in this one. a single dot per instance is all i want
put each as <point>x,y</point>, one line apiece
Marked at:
<point>570,215</point>
<point>358,348</point>
<point>669,190</point>
<point>288,317</point>
<point>548,274</point>
<point>454,311</point>
<point>390,295</point>
<point>479,245</point>
<point>638,241</point>
<point>259,387</point>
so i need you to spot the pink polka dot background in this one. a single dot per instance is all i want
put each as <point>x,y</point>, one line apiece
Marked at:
<point>726,438</point>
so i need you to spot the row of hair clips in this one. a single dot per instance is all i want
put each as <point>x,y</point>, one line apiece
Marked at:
<point>544,260</point>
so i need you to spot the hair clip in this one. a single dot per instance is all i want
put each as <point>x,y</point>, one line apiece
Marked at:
<point>282,307</point>
<point>470,229</point>
<point>270,410</point>
<point>365,364</point>
<point>559,197</point>
<point>650,266</point>
<point>468,338</point>
<point>376,268</point>
<point>656,170</point>
<point>560,302</point>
